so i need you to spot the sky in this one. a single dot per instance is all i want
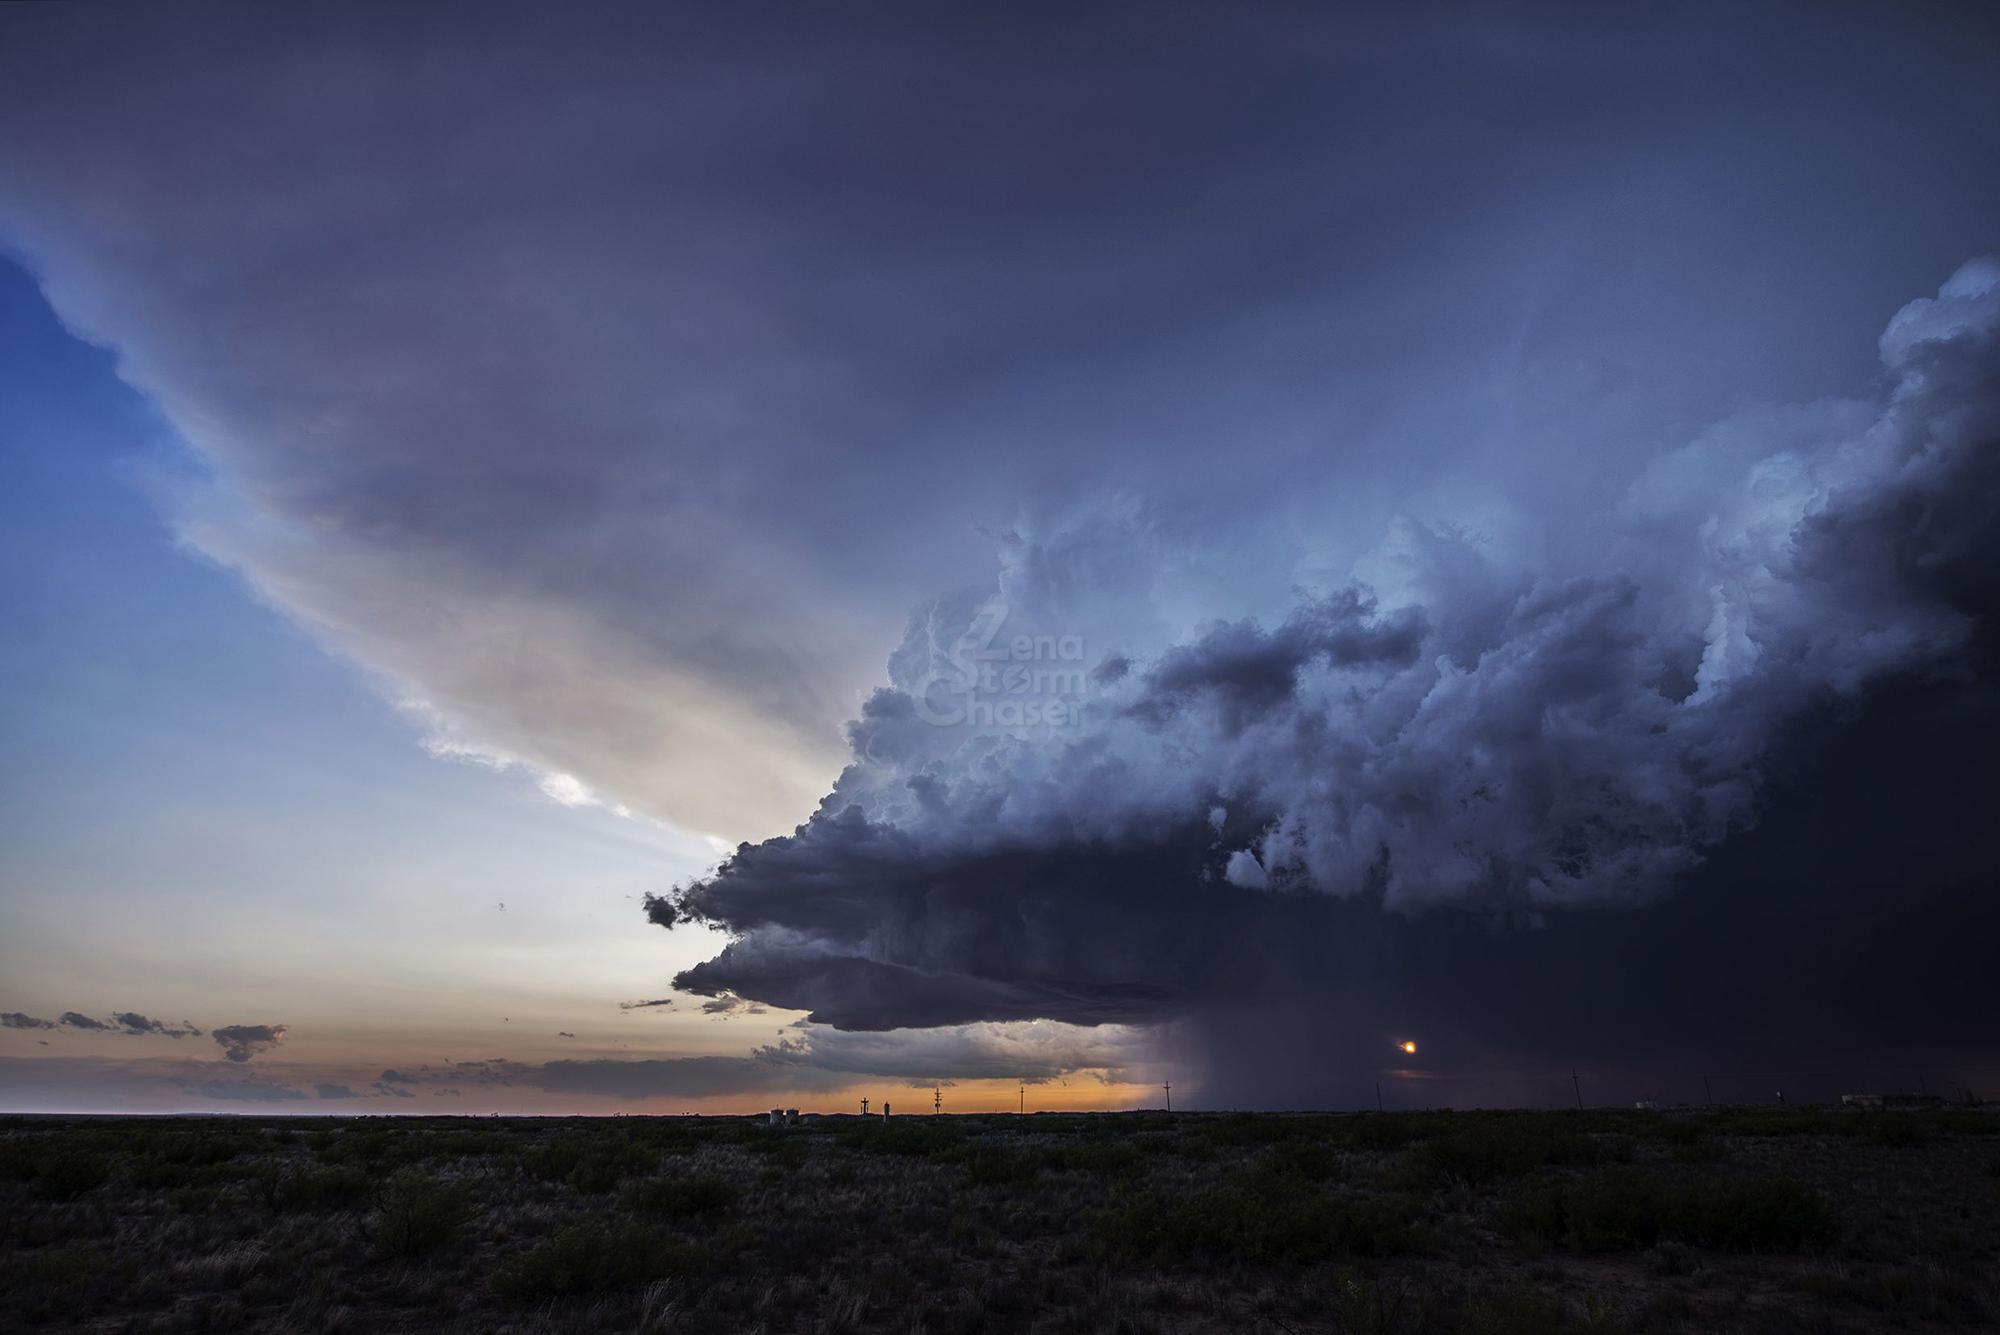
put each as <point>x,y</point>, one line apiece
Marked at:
<point>656,560</point>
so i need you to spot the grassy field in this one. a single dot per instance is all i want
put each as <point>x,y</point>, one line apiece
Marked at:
<point>1732,1220</point>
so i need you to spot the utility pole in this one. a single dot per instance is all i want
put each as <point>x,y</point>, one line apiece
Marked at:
<point>1378,1096</point>
<point>1169,1087</point>
<point>937,1099</point>
<point>1706,1092</point>
<point>1023,1109</point>
<point>864,1107</point>
<point>1577,1080</point>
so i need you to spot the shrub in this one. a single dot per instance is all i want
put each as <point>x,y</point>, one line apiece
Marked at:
<point>1099,1157</point>
<point>1494,1149</point>
<point>925,1138</point>
<point>1304,1160</point>
<point>1898,1130</point>
<point>1620,1210</point>
<point>66,1175</point>
<point>582,1259</point>
<point>997,1166</point>
<point>681,1197</point>
<point>603,1168</point>
<point>1514,1310</point>
<point>1261,1227</point>
<point>1384,1131</point>
<point>417,1216</point>
<point>335,1188</point>
<point>51,1284</point>
<point>552,1162</point>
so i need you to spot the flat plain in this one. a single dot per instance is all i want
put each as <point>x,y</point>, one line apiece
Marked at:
<point>1490,1223</point>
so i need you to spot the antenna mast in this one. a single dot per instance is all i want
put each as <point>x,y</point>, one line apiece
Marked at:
<point>1169,1087</point>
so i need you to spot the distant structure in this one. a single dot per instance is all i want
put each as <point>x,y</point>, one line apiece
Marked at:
<point>885,1110</point>
<point>1169,1087</point>
<point>937,1099</point>
<point>1023,1109</point>
<point>864,1107</point>
<point>777,1116</point>
<point>1906,1102</point>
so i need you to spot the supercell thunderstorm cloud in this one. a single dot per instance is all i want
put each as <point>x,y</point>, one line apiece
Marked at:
<point>1495,738</point>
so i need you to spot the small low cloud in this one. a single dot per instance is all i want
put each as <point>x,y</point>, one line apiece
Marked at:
<point>730,1004</point>
<point>332,1091</point>
<point>392,1076</point>
<point>564,1033</point>
<point>121,1022</point>
<point>241,1042</point>
<point>134,1023</point>
<point>396,1091</point>
<point>645,1005</point>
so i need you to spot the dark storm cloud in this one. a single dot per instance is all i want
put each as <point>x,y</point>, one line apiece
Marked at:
<point>772,311</point>
<point>241,1042</point>
<point>16,1020</point>
<point>1506,746</point>
<point>859,924</point>
<point>1244,673</point>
